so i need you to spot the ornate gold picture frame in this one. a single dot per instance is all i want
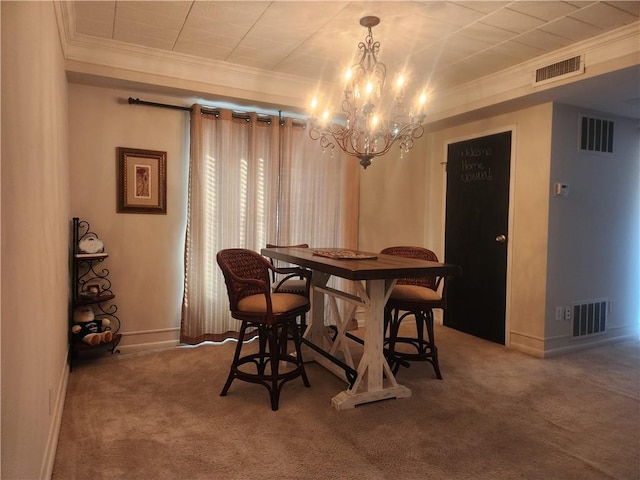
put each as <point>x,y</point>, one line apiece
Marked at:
<point>142,181</point>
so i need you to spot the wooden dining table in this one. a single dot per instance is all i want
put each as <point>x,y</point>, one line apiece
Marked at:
<point>371,277</point>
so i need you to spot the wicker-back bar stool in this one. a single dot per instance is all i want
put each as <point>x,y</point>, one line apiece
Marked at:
<point>273,315</point>
<point>417,297</point>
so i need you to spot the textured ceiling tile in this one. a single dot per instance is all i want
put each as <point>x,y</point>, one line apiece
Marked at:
<point>604,16</point>
<point>102,11</point>
<point>96,28</point>
<point>248,13</point>
<point>486,33</point>
<point>493,61</point>
<point>175,8</point>
<point>310,67</point>
<point>543,40</point>
<point>512,20</point>
<point>451,77</point>
<point>581,3</point>
<point>630,7</point>
<point>430,28</point>
<point>484,6</point>
<point>517,50</point>
<point>215,27</point>
<point>302,17</point>
<point>354,11</point>
<point>213,37</point>
<point>131,36</point>
<point>95,18</point>
<point>572,29</point>
<point>153,13</point>
<point>544,10</point>
<point>125,29</point>
<point>205,50</point>
<point>450,12</point>
<point>462,43</point>
<point>476,70</point>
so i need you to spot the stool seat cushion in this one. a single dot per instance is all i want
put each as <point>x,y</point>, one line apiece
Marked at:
<point>280,302</point>
<point>291,285</point>
<point>415,293</point>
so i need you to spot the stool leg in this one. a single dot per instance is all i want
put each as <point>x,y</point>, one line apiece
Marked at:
<point>432,343</point>
<point>236,357</point>
<point>394,326</point>
<point>303,371</point>
<point>263,358</point>
<point>274,360</point>
<point>421,319</point>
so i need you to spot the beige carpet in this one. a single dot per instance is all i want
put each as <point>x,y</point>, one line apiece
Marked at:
<point>498,414</point>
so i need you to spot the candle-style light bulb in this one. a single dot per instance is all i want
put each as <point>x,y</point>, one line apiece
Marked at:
<point>421,101</point>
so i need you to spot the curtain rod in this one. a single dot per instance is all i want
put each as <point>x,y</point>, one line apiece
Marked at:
<point>137,101</point>
<point>212,111</point>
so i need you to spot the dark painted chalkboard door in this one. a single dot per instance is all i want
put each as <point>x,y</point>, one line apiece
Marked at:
<point>477,217</point>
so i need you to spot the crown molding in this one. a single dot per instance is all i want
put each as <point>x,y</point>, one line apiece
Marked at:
<point>86,56</point>
<point>605,53</point>
<point>110,62</point>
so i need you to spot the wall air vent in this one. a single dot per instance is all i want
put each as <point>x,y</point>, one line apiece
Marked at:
<point>596,134</point>
<point>559,70</point>
<point>589,318</point>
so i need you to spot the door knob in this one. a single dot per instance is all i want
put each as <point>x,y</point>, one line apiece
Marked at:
<point>501,239</point>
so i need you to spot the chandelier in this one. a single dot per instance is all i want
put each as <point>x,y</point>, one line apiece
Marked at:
<point>372,119</point>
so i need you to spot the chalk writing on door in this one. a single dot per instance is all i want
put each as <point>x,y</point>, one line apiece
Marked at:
<point>475,171</point>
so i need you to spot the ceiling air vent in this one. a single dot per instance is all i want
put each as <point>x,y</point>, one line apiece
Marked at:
<point>596,134</point>
<point>559,70</point>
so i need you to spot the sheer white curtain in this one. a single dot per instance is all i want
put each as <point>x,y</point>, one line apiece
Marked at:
<point>250,183</point>
<point>319,193</point>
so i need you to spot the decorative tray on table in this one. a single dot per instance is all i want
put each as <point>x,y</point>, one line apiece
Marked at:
<point>344,255</point>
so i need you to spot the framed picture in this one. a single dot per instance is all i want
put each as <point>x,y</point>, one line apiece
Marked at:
<point>142,181</point>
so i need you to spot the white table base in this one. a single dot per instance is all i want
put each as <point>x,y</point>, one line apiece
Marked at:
<point>375,381</point>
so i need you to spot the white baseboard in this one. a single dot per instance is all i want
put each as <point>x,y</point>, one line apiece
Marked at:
<point>46,470</point>
<point>147,347</point>
<point>554,352</point>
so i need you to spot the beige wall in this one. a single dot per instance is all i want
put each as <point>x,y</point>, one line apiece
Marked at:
<point>392,199</point>
<point>145,250</point>
<point>35,234</point>
<point>415,214</point>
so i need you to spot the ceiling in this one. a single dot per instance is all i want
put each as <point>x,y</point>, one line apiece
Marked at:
<point>444,44</point>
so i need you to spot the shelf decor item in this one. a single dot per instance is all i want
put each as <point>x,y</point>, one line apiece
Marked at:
<point>90,243</point>
<point>142,181</point>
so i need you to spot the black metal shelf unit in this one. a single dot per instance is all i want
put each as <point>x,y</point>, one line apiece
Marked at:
<point>90,286</point>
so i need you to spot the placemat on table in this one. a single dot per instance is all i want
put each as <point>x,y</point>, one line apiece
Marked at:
<point>344,254</point>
